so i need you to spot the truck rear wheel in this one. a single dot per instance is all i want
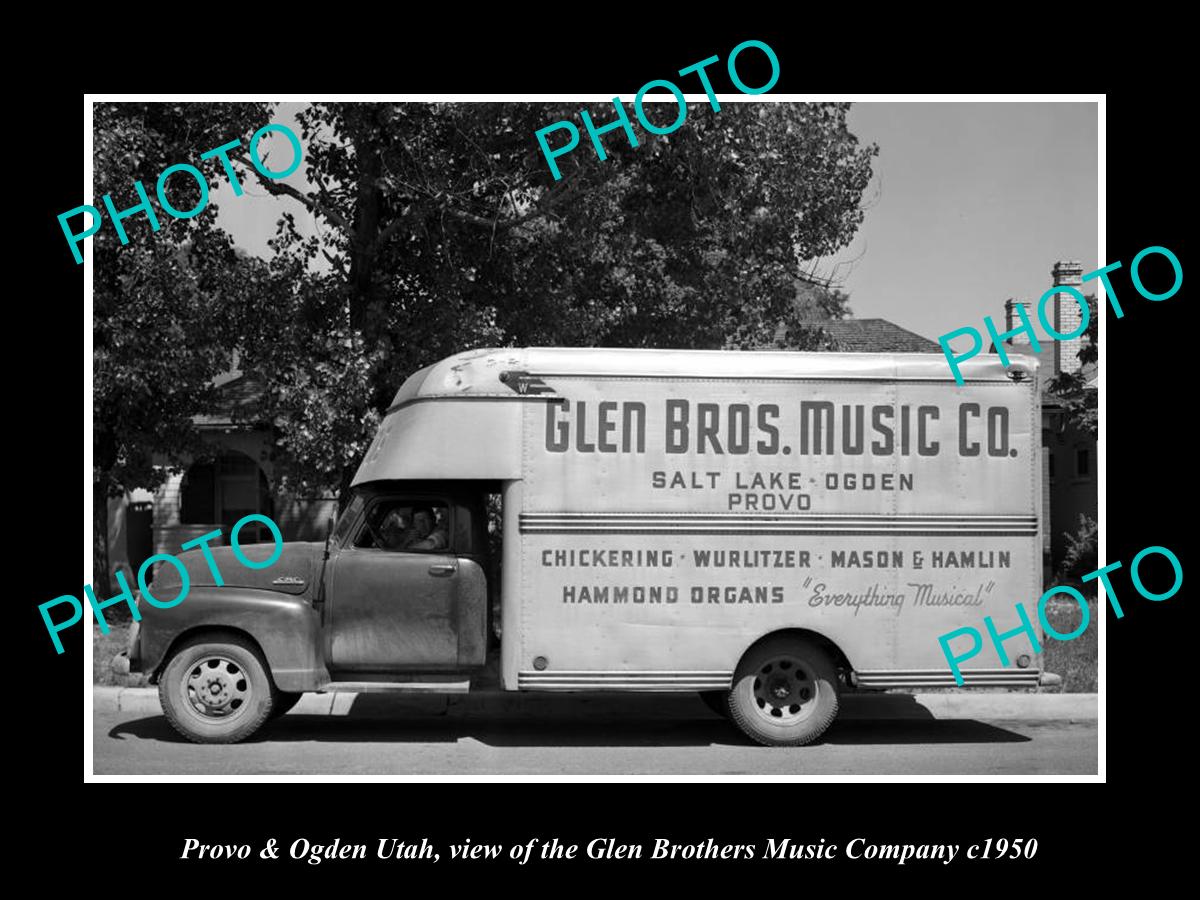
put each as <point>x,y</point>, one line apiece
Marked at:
<point>216,690</point>
<point>785,692</point>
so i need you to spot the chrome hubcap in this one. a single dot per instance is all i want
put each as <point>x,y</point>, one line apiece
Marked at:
<point>217,688</point>
<point>785,691</point>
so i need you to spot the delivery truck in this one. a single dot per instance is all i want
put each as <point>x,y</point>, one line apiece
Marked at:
<point>768,529</point>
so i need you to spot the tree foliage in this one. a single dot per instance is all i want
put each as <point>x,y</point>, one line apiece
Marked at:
<point>161,303</point>
<point>1080,557</point>
<point>800,328</point>
<point>443,231</point>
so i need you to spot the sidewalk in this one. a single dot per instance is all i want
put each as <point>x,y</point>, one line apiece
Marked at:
<point>1052,707</point>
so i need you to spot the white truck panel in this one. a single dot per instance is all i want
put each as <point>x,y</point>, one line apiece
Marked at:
<point>663,533</point>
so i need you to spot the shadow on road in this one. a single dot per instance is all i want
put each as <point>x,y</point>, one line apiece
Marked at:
<point>927,731</point>
<point>526,729</point>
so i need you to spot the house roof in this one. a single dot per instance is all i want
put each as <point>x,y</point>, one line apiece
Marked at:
<point>507,373</point>
<point>234,398</point>
<point>875,336</point>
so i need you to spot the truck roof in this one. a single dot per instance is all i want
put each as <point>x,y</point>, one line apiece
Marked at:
<point>430,431</point>
<point>489,372</point>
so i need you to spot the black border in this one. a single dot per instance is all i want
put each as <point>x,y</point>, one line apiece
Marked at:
<point>1147,418</point>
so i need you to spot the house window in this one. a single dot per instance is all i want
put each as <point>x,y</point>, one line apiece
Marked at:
<point>1083,463</point>
<point>223,491</point>
<point>1050,465</point>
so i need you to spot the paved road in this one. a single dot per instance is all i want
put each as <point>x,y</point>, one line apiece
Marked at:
<point>676,736</point>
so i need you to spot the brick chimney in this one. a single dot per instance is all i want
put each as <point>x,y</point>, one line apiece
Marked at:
<point>1012,320</point>
<point>1067,315</point>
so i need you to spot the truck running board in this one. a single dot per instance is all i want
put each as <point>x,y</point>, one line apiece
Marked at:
<point>432,685</point>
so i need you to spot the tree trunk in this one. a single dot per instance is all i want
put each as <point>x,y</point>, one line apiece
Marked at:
<point>100,582</point>
<point>367,213</point>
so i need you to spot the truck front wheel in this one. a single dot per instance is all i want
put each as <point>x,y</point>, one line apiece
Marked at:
<point>284,701</point>
<point>784,692</point>
<point>216,690</point>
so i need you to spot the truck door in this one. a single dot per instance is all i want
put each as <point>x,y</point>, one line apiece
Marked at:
<point>393,591</point>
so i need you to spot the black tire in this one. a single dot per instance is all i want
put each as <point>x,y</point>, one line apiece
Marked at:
<point>284,701</point>
<point>216,690</point>
<point>717,701</point>
<point>785,692</point>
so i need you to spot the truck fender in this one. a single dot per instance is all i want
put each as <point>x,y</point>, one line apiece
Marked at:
<point>286,628</point>
<point>836,653</point>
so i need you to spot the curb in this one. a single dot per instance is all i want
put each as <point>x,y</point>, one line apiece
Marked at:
<point>1039,707</point>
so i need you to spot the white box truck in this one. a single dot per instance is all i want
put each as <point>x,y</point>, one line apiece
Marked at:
<point>769,529</point>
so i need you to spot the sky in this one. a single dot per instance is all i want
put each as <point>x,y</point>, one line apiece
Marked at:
<point>252,224</point>
<point>975,203</point>
<point>970,204</point>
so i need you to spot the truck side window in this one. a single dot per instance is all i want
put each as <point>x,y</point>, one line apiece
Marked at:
<point>346,519</point>
<point>406,525</point>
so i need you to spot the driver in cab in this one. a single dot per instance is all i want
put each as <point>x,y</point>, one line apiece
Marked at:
<point>425,533</point>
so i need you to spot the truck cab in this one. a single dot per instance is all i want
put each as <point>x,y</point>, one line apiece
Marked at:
<point>393,604</point>
<point>367,610</point>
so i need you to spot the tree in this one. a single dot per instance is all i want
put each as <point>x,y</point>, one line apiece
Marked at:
<point>1079,401</point>
<point>1080,557</point>
<point>800,328</point>
<point>162,302</point>
<point>444,232</point>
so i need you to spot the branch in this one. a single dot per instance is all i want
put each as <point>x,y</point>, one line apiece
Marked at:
<point>276,189</point>
<point>546,205</point>
<point>446,209</point>
<point>336,261</point>
<point>463,216</point>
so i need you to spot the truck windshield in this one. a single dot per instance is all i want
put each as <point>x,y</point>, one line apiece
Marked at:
<point>349,514</point>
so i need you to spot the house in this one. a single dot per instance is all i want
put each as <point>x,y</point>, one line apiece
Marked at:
<point>213,493</point>
<point>875,336</point>
<point>1070,484</point>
